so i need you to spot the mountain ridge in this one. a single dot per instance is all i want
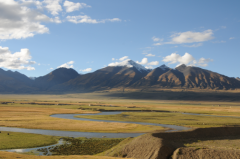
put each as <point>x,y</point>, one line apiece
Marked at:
<point>124,75</point>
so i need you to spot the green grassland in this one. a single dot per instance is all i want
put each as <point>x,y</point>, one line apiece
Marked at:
<point>17,140</point>
<point>83,146</point>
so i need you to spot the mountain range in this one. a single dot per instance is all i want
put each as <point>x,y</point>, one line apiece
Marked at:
<point>126,75</point>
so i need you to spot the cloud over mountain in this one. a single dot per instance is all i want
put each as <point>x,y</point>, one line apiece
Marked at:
<point>18,60</point>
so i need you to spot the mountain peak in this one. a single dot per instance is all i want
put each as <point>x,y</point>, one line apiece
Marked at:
<point>164,67</point>
<point>129,63</point>
<point>181,66</point>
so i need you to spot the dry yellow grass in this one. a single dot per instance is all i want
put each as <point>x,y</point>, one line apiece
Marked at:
<point>10,155</point>
<point>38,118</point>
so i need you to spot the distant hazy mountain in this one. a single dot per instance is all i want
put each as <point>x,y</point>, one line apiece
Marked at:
<point>127,74</point>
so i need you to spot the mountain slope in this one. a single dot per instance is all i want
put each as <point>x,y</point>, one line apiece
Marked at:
<point>14,82</point>
<point>152,77</point>
<point>122,75</point>
<point>196,77</point>
<point>55,77</point>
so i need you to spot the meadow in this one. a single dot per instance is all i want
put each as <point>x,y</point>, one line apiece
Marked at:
<point>33,111</point>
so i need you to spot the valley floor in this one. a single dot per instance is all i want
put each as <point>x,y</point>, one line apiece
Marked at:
<point>33,111</point>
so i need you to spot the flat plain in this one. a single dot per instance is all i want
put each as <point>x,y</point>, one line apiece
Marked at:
<point>33,111</point>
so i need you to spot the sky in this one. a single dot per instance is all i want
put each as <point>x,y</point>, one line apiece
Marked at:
<point>39,36</point>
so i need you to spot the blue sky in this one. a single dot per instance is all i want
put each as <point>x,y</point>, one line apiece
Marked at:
<point>38,36</point>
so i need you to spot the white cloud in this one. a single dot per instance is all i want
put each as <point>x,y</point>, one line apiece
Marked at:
<point>71,6</point>
<point>19,60</point>
<point>143,62</point>
<point>51,68</point>
<point>186,59</point>
<point>174,58</point>
<point>53,6</point>
<point>231,38</point>
<point>189,37</point>
<point>150,55</point>
<point>67,65</point>
<point>56,20</point>
<point>156,39</point>
<point>153,63</point>
<point>157,44</point>
<point>149,67</point>
<point>88,19</point>
<point>18,21</point>
<point>204,62</point>
<point>194,45</point>
<point>113,59</point>
<point>123,58</point>
<point>86,70</point>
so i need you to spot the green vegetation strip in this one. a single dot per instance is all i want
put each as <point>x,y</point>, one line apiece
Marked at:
<point>170,118</point>
<point>83,146</point>
<point>14,140</point>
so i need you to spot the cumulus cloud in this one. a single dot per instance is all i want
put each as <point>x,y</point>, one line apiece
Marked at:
<point>231,38</point>
<point>153,63</point>
<point>19,60</point>
<point>176,58</point>
<point>113,59</point>
<point>143,62</point>
<point>71,6</point>
<point>19,21</point>
<point>53,6</point>
<point>67,65</point>
<point>186,59</point>
<point>88,19</point>
<point>123,58</point>
<point>56,20</point>
<point>189,37</point>
<point>86,70</point>
<point>150,55</point>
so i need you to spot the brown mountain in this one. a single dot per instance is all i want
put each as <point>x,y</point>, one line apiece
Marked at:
<point>187,77</point>
<point>15,82</point>
<point>58,76</point>
<point>127,74</point>
<point>105,78</point>
<point>152,77</point>
<point>196,77</point>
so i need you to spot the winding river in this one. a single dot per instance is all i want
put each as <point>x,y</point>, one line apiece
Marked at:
<point>89,134</point>
<point>82,134</point>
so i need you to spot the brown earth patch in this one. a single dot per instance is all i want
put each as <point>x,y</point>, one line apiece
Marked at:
<point>162,145</point>
<point>194,153</point>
